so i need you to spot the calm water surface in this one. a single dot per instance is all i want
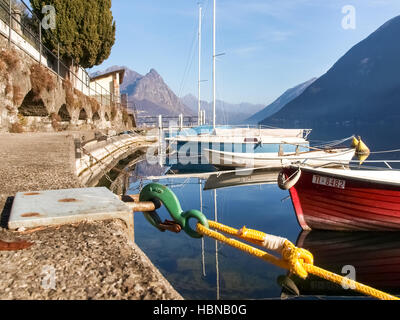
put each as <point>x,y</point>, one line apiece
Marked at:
<point>230,274</point>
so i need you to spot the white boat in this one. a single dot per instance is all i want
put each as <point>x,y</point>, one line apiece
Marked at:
<point>255,141</point>
<point>317,158</point>
<point>245,139</point>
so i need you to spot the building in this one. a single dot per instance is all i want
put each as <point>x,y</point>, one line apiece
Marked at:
<point>110,81</point>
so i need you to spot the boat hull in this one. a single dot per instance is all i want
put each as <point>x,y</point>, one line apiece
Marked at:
<point>193,152</point>
<point>328,201</point>
<point>190,147</point>
<point>195,147</point>
<point>272,160</point>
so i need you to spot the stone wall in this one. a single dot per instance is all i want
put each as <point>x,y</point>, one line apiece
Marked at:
<point>32,98</point>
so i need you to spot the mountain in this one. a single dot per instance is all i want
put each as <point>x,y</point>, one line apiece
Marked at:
<point>149,93</point>
<point>362,87</point>
<point>280,103</point>
<point>130,78</point>
<point>226,113</point>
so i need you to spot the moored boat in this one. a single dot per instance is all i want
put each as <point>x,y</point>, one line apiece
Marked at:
<point>344,199</point>
<point>192,148</point>
<point>240,140</point>
<point>278,159</point>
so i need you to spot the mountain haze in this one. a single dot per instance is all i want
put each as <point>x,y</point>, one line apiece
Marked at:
<point>226,113</point>
<point>280,103</point>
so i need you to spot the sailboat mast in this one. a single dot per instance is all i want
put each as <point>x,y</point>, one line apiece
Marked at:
<point>199,84</point>
<point>214,65</point>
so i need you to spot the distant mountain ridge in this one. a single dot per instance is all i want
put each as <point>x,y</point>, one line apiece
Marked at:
<point>149,94</point>
<point>280,103</point>
<point>226,113</point>
<point>363,86</point>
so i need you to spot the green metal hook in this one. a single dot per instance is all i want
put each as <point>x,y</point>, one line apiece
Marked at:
<point>157,191</point>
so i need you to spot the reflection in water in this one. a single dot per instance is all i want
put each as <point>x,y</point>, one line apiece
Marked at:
<point>241,178</point>
<point>256,203</point>
<point>202,239</point>
<point>375,258</point>
<point>184,261</point>
<point>216,244</point>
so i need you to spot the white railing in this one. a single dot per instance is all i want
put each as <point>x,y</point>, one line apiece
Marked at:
<point>26,34</point>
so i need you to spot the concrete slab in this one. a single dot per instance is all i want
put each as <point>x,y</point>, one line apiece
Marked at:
<point>60,207</point>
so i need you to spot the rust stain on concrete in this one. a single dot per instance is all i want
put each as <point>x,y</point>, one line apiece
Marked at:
<point>68,200</point>
<point>30,215</point>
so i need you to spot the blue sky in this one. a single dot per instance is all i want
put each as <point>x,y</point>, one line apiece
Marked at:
<point>269,45</point>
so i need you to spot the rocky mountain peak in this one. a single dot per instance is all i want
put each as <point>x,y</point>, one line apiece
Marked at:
<point>150,94</point>
<point>154,73</point>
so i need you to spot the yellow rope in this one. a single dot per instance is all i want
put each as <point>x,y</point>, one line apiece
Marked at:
<point>297,260</point>
<point>242,246</point>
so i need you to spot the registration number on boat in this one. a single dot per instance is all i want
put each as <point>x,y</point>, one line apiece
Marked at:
<point>330,182</point>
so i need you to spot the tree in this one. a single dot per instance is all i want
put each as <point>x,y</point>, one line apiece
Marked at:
<point>85,30</point>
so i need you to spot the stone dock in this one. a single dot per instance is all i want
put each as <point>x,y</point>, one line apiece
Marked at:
<point>82,261</point>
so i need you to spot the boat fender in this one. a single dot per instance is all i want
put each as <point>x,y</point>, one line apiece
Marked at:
<point>362,148</point>
<point>286,183</point>
<point>355,142</point>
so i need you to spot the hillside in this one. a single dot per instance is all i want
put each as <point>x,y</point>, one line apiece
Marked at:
<point>362,87</point>
<point>280,103</point>
<point>149,94</point>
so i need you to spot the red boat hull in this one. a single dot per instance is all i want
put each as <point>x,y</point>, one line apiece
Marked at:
<point>350,205</point>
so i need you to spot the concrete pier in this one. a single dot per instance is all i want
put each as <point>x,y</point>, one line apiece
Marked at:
<point>84,260</point>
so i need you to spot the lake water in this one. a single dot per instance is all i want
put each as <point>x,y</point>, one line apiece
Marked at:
<point>230,274</point>
<point>204,270</point>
